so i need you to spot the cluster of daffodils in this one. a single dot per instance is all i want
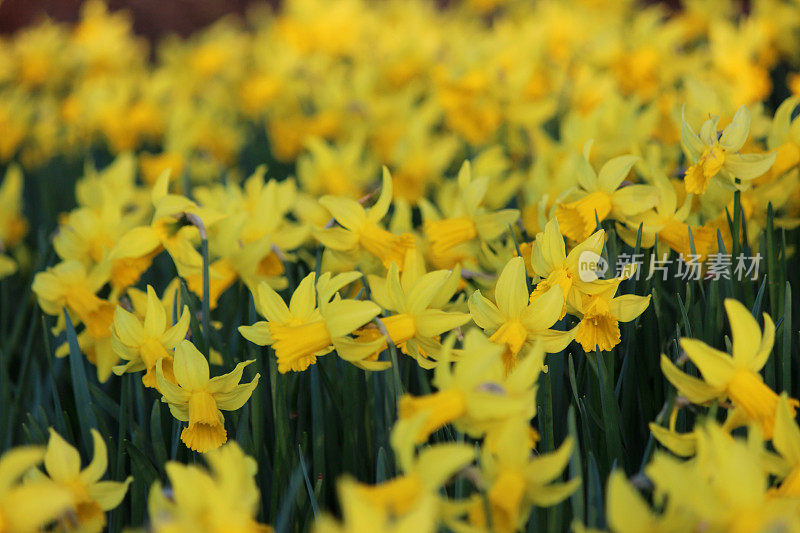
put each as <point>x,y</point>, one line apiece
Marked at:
<point>479,397</point>
<point>718,476</point>
<point>398,189</point>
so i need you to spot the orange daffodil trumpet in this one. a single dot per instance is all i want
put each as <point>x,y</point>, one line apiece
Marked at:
<point>713,153</point>
<point>602,195</point>
<point>316,322</point>
<point>515,322</point>
<point>199,399</point>
<point>735,377</point>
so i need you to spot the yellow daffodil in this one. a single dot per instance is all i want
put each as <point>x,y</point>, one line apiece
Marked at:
<point>360,229</point>
<point>423,474</point>
<point>667,223</point>
<point>517,480</point>
<point>13,225</point>
<point>786,440</point>
<point>724,488</point>
<point>199,400</point>
<point>415,299</point>
<point>466,220</point>
<point>712,153</point>
<point>552,266</point>
<point>31,506</point>
<point>476,394</point>
<point>143,344</point>
<point>91,498</point>
<point>69,285</point>
<point>601,313</point>
<point>735,377</point>
<point>603,195</point>
<point>224,497</point>
<point>168,230</point>
<point>361,514</point>
<point>629,512</point>
<point>313,325</point>
<point>515,323</point>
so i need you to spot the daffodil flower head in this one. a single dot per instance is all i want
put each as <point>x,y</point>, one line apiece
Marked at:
<point>91,498</point>
<point>713,153</point>
<point>517,479</point>
<point>475,393</point>
<point>70,285</point>
<point>552,266</point>
<point>416,300</point>
<point>316,321</point>
<point>360,229</point>
<point>13,225</point>
<point>143,343</point>
<point>602,195</point>
<point>733,376</point>
<point>199,400</point>
<point>601,314</point>
<point>32,505</point>
<point>423,474</point>
<point>469,219</point>
<point>516,322</point>
<point>223,496</point>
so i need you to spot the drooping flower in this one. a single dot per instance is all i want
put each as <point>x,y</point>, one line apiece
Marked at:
<point>601,313</point>
<point>198,399</point>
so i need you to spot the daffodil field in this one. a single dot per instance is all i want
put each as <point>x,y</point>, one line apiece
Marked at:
<point>403,266</point>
